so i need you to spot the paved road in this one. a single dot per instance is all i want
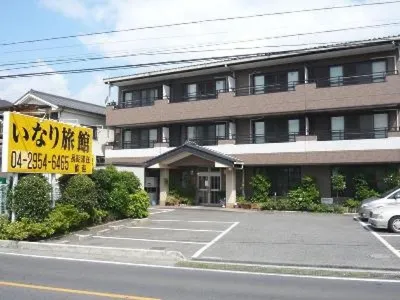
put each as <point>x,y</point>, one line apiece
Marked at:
<point>35,278</point>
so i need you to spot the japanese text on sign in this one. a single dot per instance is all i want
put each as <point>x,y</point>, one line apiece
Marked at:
<point>33,145</point>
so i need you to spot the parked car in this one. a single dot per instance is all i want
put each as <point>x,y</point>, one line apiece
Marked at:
<point>389,197</point>
<point>386,217</point>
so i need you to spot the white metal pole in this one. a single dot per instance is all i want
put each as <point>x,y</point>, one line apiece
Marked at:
<point>14,184</point>
<point>53,199</point>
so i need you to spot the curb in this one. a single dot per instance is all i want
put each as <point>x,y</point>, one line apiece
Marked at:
<point>293,266</point>
<point>170,256</point>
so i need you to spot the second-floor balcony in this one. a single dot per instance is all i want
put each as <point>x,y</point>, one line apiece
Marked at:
<point>376,89</point>
<point>268,138</point>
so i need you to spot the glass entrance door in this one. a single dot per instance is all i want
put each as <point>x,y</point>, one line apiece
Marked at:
<point>208,187</point>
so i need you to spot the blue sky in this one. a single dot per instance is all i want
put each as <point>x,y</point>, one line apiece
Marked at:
<point>34,19</point>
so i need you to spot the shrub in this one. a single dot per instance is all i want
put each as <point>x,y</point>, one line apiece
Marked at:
<point>175,197</point>
<point>338,183</point>
<point>63,181</point>
<point>26,229</point>
<point>392,180</point>
<point>363,191</point>
<point>241,200</point>
<point>81,193</point>
<point>109,179</point>
<point>104,179</point>
<point>352,203</point>
<point>129,181</point>
<point>305,194</point>
<point>261,188</point>
<point>32,198</point>
<point>119,201</point>
<point>138,205</point>
<point>66,217</point>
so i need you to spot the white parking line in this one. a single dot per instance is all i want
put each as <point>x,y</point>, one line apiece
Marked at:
<point>381,239</point>
<point>390,235</point>
<point>161,212</point>
<point>220,222</point>
<point>208,245</point>
<point>167,220</point>
<point>174,229</point>
<point>148,240</point>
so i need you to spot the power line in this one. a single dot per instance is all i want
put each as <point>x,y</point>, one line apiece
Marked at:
<point>170,51</point>
<point>201,21</point>
<point>162,63</point>
<point>114,42</point>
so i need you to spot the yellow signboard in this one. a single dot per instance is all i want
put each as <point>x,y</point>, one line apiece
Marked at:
<point>33,145</point>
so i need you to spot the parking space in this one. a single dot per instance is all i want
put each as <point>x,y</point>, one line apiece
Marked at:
<point>190,236</point>
<point>252,237</point>
<point>390,240</point>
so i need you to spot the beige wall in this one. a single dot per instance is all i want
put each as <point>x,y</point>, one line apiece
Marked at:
<point>306,98</point>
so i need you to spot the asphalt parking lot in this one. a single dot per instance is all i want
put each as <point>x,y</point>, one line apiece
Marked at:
<point>253,237</point>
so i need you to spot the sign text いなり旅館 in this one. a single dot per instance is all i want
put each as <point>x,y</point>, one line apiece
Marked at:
<point>33,145</point>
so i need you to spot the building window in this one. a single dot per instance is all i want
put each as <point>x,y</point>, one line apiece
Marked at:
<point>191,91</point>
<point>220,85</point>
<point>336,75</point>
<point>138,98</point>
<point>220,131</point>
<point>259,132</point>
<point>127,142</point>
<point>293,79</point>
<point>378,71</point>
<point>259,84</point>
<point>54,115</point>
<point>380,125</point>
<point>94,128</point>
<point>337,128</point>
<point>283,179</point>
<point>294,129</point>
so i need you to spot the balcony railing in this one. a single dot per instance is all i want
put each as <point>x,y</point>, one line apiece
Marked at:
<point>136,103</point>
<point>266,138</point>
<point>199,96</point>
<point>139,144</point>
<point>266,89</point>
<point>334,135</point>
<point>352,80</point>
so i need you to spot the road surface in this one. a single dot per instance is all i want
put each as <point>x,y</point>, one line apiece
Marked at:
<point>38,278</point>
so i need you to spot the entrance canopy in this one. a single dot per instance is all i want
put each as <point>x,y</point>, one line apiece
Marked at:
<point>192,154</point>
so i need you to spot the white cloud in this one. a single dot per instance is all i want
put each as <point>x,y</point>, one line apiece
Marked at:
<point>69,8</point>
<point>123,14</point>
<point>12,89</point>
<point>131,14</point>
<point>94,92</point>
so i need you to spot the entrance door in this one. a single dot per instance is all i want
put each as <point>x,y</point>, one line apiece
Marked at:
<point>208,187</point>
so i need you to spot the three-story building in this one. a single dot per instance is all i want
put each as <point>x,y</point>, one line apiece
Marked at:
<point>288,114</point>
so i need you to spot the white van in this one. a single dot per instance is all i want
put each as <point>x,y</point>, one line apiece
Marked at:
<point>390,197</point>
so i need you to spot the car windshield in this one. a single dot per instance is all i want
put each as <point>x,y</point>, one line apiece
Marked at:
<point>387,193</point>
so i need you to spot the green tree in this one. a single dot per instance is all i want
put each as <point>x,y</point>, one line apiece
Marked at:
<point>392,180</point>
<point>305,195</point>
<point>81,192</point>
<point>261,188</point>
<point>338,183</point>
<point>363,191</point>
<point>31,198</point>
